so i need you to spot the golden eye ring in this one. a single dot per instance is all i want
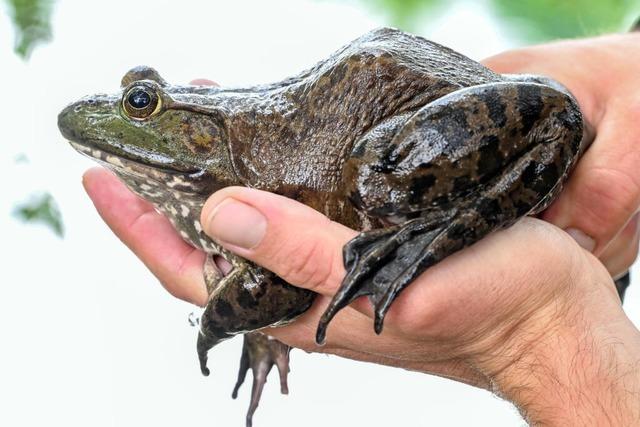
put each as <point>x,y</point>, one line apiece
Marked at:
<point>141,102</point>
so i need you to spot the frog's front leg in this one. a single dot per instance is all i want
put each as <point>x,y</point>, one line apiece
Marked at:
<point>248,299</point>
<point>469,163</point>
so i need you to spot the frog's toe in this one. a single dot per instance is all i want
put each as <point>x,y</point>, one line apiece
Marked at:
<point>260,353</point>
<point>242,371</point>
<point>622,284</point>
<point>380,263</point>
<point>204,344</point>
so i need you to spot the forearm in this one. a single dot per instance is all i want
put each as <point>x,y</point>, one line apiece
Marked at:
<point>582,371</point>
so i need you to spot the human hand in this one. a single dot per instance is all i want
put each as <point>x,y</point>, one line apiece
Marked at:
<point>478,316</point>
<point>599,203</point>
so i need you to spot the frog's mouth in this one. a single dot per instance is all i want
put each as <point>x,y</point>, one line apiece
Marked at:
<point>155,167</point>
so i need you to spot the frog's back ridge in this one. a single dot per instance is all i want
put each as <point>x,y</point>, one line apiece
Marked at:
<point>414,52</point>
<point>313,120</point>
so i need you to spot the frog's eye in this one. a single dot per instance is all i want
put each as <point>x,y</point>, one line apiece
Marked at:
<point>141,102</point>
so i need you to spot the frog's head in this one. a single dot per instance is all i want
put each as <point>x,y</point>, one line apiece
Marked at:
<point>154,131</point>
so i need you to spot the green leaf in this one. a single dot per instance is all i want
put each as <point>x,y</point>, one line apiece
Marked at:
<point>404,14</point>
<point>540,20</point>
<point>41,208</point>
<point>32,23</point>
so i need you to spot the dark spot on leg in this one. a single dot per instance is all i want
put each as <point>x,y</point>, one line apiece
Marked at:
<point>461,183</point>
<point>490,157</point>
<point>541,178</point>
<point>419,186</point>
<point>246,300</point>
<point>224,309</point>
<point>454,127</point>
<point>530,106</point>
<point>529,174</point>
<point>488,208</point>
<point>496,107</point>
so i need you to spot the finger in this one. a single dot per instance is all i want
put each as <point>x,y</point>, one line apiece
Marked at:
<point>203,82</point>
<point>149,235</point>
<point>294,241</point>
<point>604,190</point>
<point>623,250</point>
<point>354,339</point>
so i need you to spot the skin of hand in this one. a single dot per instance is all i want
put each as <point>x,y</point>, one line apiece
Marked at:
<point>598,206</point>
<point>521,329</point>
<point>538,331</point>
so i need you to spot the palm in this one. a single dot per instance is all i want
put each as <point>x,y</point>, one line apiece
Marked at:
<point>467,296</point>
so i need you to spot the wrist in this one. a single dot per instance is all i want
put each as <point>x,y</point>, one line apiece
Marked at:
<point>574,363</point>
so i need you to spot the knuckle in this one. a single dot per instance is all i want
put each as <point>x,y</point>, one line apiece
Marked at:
<point>611,198</point>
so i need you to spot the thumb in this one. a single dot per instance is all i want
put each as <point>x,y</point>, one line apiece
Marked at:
<point>294,241</point>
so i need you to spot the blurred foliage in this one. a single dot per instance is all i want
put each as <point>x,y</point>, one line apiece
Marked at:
<point>32,23</point>
<point>538,20</point>
<point>32,26</point>
<point>530,20</point>
<point>405,14</point>
<point>41,208</point>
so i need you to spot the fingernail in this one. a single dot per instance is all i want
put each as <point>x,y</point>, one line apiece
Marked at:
<point>236,223</point>
<point>583,240</point>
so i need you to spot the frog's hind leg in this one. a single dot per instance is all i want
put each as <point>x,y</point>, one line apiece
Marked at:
<point>375,260</point>
<point>462,166</point>
<point>261,353</point>
<point>391,246</point>
<point>381,263</point>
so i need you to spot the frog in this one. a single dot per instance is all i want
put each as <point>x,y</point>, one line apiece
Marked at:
<point>422,149</point>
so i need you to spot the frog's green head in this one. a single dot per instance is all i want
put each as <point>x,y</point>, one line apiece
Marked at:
<point>153,129</point>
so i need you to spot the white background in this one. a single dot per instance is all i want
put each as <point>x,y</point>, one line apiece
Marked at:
<point>87,336</point>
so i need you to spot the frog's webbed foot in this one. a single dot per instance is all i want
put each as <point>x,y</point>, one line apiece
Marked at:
<point>260,353</point>
<point>380,263</point>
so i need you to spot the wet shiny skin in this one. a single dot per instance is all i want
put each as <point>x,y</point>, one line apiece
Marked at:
<point>421,148</point>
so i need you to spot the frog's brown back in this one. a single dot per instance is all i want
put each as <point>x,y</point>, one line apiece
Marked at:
<point>309,123</point>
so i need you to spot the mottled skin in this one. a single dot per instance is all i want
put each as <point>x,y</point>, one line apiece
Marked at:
<point>423,149</point>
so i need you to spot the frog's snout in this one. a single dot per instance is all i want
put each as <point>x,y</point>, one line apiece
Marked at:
<point>77,120</point>
<point>74,118</point>
<point>65,123</point>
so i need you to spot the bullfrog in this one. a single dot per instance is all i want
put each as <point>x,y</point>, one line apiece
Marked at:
<point>421,148</point>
